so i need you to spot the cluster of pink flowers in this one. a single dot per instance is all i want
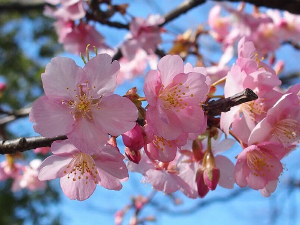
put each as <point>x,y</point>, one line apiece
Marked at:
<point>24,176</point>
<point>73,34</point>
<point>172,142</point>
<point>168,142</point>
<point>266,30</point>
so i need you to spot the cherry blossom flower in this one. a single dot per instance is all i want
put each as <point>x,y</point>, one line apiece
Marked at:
<point>219,25</point>
<point>251,73</point>
<point>80,103</point>
<point>162,176</point>
<point>29,178</point>
<point>81,35</point>
<point>80,172</point>
<point>69,10</point>
<point>9,170</point>
<point>281,123</point>
<point>174,94</point>
<point>259,164</point>
<point>145,34</point>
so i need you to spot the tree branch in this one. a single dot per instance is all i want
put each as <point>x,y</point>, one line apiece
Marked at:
<point>214,108</point>
<point>22,6</point>
<point>24,144</point>
<point>181,9</point>
<point>13,115</point>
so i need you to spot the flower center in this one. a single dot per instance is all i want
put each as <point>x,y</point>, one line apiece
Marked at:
<point>82,166</point>
<point>258,161</point>
<point>161,143</point>
<point>83,103</point>
<point>287,131</point>
<point>173,96</point>
<point>253,109</point>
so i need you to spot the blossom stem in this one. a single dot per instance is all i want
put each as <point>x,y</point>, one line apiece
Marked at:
<point>222,80</point>
<point>237,139</point>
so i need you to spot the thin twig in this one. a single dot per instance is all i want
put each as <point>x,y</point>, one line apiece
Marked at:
<point>14,115</point>
<point>181,9</point>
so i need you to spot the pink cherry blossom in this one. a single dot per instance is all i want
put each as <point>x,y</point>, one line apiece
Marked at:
<point>145,34</point>
<point>81,35</point>
<point>29,178</point>
<point>174,94</point>
<point>79,102</point>
<point>162,176</point>
<point>8,170</point>
<point>80,172</point>
<point>251,73</point>
<point>259,164</point>
<point>219,25</point>
<point>158,148</point>
<point>69,10</point>
<point>281,123</point>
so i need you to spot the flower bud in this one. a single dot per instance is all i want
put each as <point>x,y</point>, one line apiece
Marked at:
<point>134,139</point>
<point>211,177</point>
<point>201,186</point>
<point>133,155</point>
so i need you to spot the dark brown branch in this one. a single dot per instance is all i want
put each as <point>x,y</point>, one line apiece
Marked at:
<point>181,9</point>
<point>21,6</point>
<point>214,108</point>
<point>24,144</point>
<point>293,6</point>
<point>13,115</point>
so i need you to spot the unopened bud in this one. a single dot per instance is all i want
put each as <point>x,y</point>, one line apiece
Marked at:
<point>197,150</point>
<point>201,186</point>
<point>211,177</point>
<point>134,139</point>
<point>133,155</point>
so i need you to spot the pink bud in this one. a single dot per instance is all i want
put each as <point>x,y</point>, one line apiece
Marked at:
<point>133,155</point>
<point>211,177</point>
<point>134,139</point>
<point>201,186</point>
<point>2,86</point>
<point>42,150</point>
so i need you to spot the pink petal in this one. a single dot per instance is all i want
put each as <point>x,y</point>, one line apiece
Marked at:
<point>169,66</point>
<point>261,131</point>
<point>163,181</point>
<point>63,148</point>
<point>116,114</point>
<point>163,127</point>
<point>152,86</point>
<point>88,137</point>
<point>79,189</point>
<point>102,73</point>
<point>61,77</point>
<point>226,168</point>
<point>51,117</point>
<point>241,171</point>
<point>269,188</point>
<point>192,119</point>
<point>53,167</point>
<point>227,119</point>
<point>108,181</point>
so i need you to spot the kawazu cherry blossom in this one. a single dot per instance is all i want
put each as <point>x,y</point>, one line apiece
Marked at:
<point>83,106</point>
<point>178,129</point>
